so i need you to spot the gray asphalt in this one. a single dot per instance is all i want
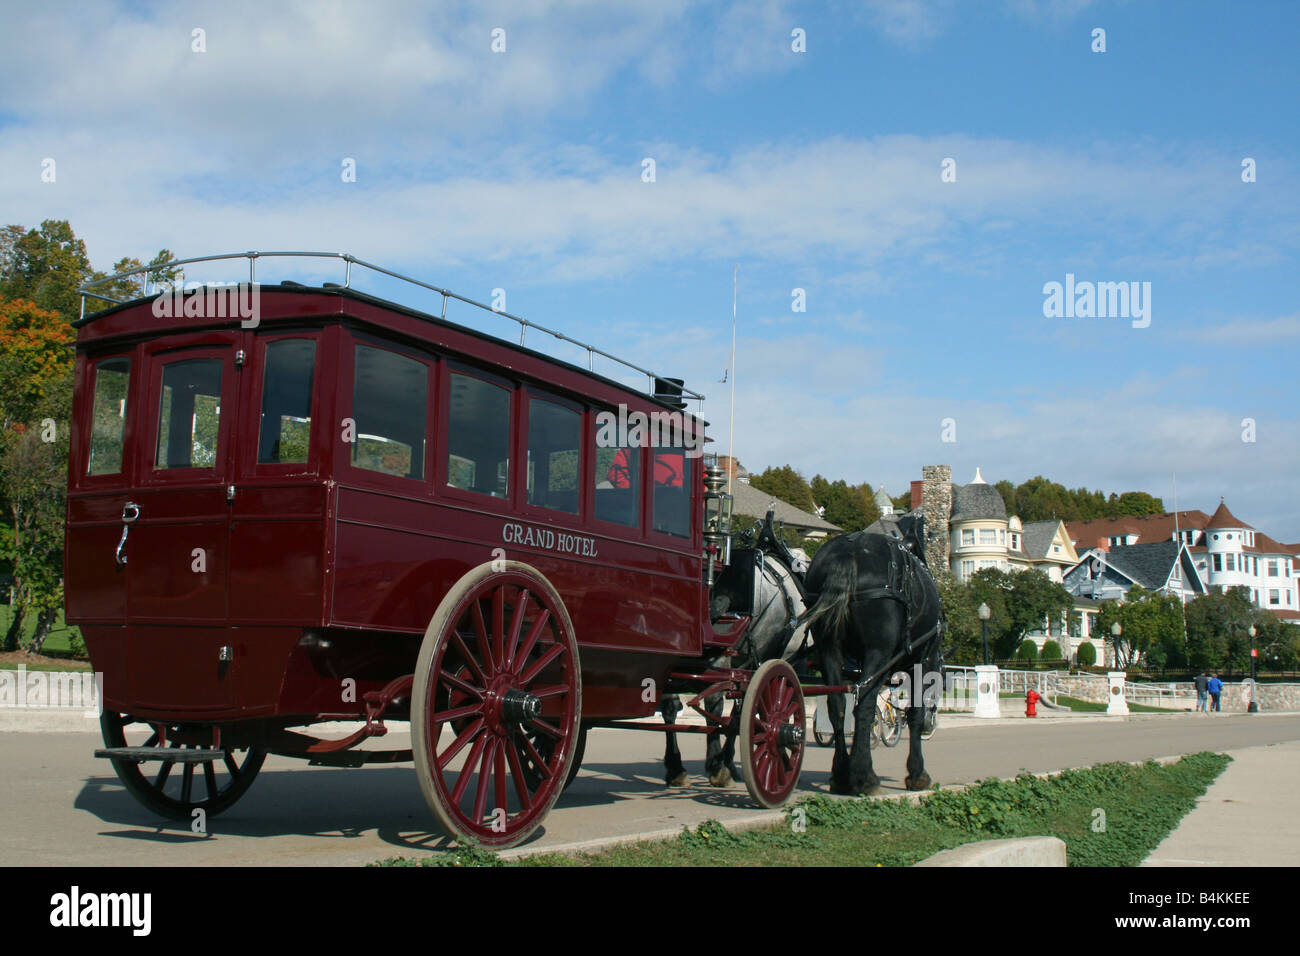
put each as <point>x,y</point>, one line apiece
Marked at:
<point>64,807</point>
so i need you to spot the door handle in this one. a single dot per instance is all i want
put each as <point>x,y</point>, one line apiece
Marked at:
<point>130,511</point>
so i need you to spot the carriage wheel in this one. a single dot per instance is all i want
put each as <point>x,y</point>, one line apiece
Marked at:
<point>168,787</point>
<point>891,721</point>
<point>772,724</point>
<point>501,653</point>
<point>823,739</point>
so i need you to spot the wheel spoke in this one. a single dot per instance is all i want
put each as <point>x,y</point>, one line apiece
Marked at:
<point>499,774</point>
<point>547,728</point>
<point>536,759</point>
<point>540,664</point>
<point>484,642</point>
<point>516,628</point>
<point>456,713</point>
<point>210,780</point>
<point>153,739</point>
<point>163,773</point>
<point>446,677</point>
<point>187,782</point>
<point>459,743</point>
<point>481,792</point>
<point>231,764</point>
<point>499,626</point>
<point>534,633</point>
<point>470,660</point>
<point>557,690</point>
<point>521,786</point>
<point>467,770</point>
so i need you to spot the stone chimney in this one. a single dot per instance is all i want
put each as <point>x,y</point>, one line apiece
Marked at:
<point>917,493</point>
<point>936,506</point>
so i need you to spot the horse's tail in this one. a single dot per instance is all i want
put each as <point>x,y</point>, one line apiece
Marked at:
<point>836,593</point>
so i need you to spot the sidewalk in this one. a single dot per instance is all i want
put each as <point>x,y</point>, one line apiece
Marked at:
<point>1246,818</point>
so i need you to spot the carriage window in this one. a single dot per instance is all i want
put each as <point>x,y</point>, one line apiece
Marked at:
<point>672,485</point>
<point>286,401</point>
<point>189,422</point>
<point>554,433</point>
<point>389,404</point>
<point>618,484</point>
<point>478,439</point>
<point>108,417</point>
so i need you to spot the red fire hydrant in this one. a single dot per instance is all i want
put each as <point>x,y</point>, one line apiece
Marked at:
<point>1031,700</point>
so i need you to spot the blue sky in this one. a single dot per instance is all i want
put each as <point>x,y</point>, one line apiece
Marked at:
<point>818,170</point>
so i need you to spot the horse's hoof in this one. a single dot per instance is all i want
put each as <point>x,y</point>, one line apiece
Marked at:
<point>922,782</point>
<point>720,778</point>
<point>867,787</point>
<point>679,779</point>
<point>842,789</point>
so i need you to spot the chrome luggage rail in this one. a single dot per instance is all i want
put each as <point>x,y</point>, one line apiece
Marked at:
<point>349,261</point>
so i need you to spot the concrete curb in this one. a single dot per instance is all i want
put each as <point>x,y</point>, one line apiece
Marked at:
<point>1024,851</point>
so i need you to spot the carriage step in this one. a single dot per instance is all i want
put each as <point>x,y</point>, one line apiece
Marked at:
<point>171,755</point>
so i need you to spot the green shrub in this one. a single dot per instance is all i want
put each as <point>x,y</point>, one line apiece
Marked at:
<point>1087,654</point>
<point>1028,651</point>
<point>1052,651</point>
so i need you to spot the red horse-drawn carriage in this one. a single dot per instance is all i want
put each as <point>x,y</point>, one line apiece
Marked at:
<point>337,508</point>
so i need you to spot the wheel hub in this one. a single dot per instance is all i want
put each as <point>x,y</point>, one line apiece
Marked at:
<point>790,736</point>
<point>519,706</point>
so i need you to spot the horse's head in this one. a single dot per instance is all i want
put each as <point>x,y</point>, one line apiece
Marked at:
<point>912,528</point>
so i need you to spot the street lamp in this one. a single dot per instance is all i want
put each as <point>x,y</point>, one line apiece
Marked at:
<point>1115,632</point>
<point>985,614</point>
<point>1254,707</point>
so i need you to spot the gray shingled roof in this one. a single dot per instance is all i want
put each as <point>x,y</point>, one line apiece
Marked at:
<point>751,501</point>
<point>1147,564</point>
<point>1036,539</point>
<point>977,500</point>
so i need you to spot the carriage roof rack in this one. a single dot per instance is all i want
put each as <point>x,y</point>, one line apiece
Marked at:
<point>349,261</point>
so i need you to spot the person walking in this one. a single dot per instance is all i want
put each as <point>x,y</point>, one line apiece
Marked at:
<point>1202,692</point>
<point>1215,687</point>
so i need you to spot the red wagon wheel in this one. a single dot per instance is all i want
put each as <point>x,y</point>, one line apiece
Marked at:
<point>172,788</point>
<point>772,722</point>
<point>496,705</point>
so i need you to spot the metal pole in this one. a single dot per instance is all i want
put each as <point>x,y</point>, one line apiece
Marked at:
<point>984,637</point>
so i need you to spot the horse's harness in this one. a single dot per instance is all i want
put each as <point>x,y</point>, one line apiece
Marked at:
<point>903,583</point>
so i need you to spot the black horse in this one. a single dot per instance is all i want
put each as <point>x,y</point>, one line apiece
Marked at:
<point>764,582</point>
<point>872,599</point>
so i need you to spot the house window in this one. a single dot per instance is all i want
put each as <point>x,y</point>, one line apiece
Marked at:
<point>1272,569</point>
<point>1274,596</point>
<point>967,537</point>
<point>1015,542</point>
<point>1232,558</point>
<point>988,536</point>
<point>967,569</point>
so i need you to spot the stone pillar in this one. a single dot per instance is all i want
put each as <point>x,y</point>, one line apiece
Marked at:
<point>1116,704</point>
<point>936,506</point>
<point>986,691</point>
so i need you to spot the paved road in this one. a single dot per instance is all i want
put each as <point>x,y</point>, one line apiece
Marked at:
<point>64,807</point>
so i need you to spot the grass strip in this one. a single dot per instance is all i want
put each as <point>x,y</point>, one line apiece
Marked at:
<point>1112,814</point>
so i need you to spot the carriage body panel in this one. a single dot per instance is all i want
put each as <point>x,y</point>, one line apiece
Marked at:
<point>254,585</point>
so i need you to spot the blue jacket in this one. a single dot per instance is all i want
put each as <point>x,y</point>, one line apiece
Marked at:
<point>1216,685</point>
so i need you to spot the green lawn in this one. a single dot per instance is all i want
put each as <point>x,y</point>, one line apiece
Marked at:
<point>56,644</point>
<point>1108,815</point>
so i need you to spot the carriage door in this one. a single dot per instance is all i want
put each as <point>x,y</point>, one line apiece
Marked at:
<point>178,546</point>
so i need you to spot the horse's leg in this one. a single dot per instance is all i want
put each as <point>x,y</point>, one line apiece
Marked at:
<point>917,778</point>
<point>861,775</point>
<point>729,747</point>
<point>717,762</point>
<point>674,773</point>
<point>833,670</point>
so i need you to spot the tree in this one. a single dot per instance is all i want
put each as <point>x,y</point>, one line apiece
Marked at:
<point>1033,601</point>
<point>1151,629</point>
<point>1218,629</point>
<point>849,506</point>
<point>45,265</point>
<point>787,484</point>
